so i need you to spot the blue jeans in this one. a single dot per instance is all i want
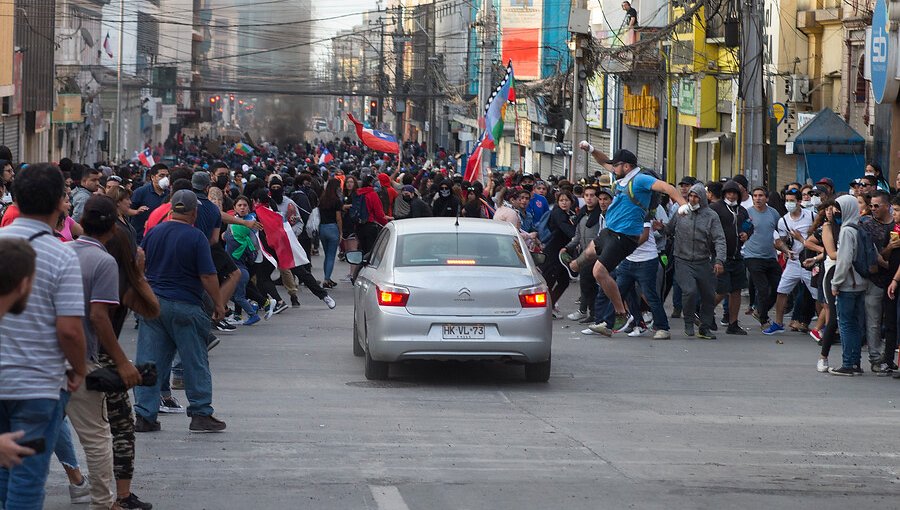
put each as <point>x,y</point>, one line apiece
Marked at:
<point>603,307</point>
<point>182,328</point>
<point>328,234</point>
<point>644,274</point>
<point>240,292</point>
<point>22,488</point>
<point>851,313</point>
<point>65,448</point>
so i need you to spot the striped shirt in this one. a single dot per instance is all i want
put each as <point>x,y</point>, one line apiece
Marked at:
<point>32,364</point>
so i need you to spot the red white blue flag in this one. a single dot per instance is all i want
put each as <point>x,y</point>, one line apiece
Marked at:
<point>374,139</point>
<point>325,157</point>
<point>146,158</point>
<point>107,46</point>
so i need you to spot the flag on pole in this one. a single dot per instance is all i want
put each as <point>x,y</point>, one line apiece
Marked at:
<point>281,239</point>
<point>473,165</point>
<point>242,149</point>
<point>107,46</point>
<point>495,109</point>
<point>375,140</point>
<point>325,157</point>
<point>146,158</point>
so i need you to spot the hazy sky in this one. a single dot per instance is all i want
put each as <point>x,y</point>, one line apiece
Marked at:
<point>329,28</point>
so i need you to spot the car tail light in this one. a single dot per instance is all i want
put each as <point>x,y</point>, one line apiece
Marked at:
<point>392,296</point>
<point>534,297</point>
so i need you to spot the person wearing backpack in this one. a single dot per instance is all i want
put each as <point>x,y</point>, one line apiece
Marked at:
<point>792,230</point>
<point>370,215</point>
<point>849,287</point>
<point>878,224</point>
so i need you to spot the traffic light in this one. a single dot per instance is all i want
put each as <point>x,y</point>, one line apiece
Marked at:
<point>231,97</point>
<point>212,100</point>
<point>373,105</point>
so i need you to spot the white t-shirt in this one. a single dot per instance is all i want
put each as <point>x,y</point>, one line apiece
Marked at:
<point>646,250</point>
<point>802,225</point>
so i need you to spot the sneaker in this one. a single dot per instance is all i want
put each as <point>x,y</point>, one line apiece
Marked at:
<point>234,320</point>
<point>564,259</point>
<point>636,332</point>
<point>141,424</point>
<point>212,343</point>
<point>705,334</point>
<point>270,309</point>
<point>599,328</point>
<point>280,307</point>
<point>224,326</point>
<point>822,365</point>
<point>177,382</point>
<point>206,423</point>
<point>844,371</point>
<point>253,319</point>
<point>689,330</point>
<point>857,370</point>
<point>557,314</point>
<point>676,313</point>
<point>713,326</point>
<point>80,494</point>
<point>622,321</point>
<point>661,334</point>
<point>814,333</point>
<point>588,331</point>
<point>295,301</point>
<point>735,329</point>
<point>133,502</point>
<point>723,321</point>
<point>773,329</point>
<point>879,367</point>
<point>576,316</point>
<point>169,405</point>
<point>330,302</point>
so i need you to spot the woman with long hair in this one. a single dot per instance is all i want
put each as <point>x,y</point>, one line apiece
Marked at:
<point>330,225</point>
<point>349,240</point>
<point>240,244</point>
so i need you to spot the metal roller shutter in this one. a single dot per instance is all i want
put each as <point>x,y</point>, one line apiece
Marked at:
<point>599,139</point>
<point>646,149</point>
<point>9,135</point>
<point>557,168</point>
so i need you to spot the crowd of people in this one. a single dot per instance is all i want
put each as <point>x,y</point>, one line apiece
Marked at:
<point>211,243</point>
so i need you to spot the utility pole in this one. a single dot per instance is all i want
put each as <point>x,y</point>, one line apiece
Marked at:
<point>382,85</point>
<point>579,160</point>
<point>399,101</point>
<point>484,85</point>
<point>754,115</point>
<point>118,155</point>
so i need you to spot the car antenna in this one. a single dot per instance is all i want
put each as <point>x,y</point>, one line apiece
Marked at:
<point>458,207</point>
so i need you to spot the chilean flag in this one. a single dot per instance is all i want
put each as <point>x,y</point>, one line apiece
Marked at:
<point>107,47</point>
<point>473,165</point>
<point>325,157</point>
<point>281,239</point>
<point>375,140</point>
<point>146,158</point>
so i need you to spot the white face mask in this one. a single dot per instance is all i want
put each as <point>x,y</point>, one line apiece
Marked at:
<point>732,203</point>
<point>7,199</point>
<point>815,201</point>
<point>163,183</point>
<point>790,206</point>
<point>806,204</point>
<point>694,207</point>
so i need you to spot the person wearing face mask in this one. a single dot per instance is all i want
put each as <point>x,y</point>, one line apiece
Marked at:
<point>416,207</point>
<point>624,223</point>
<point>447,203</point>
<point>792,230</point>
<point>733,280</point>
<point>151,195</point>
<point>849,287</point>
<point>221,178</point>
<point>700,251</point>
<point>806,198</point>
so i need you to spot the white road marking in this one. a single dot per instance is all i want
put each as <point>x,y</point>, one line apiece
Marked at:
<point>388,497</point>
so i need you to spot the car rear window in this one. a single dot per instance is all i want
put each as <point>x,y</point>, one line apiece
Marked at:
<point>452,249</point>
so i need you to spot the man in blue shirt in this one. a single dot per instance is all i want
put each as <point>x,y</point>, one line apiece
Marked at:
<point>152,195</point>
<point>624,223</point>
<point>760,255</point>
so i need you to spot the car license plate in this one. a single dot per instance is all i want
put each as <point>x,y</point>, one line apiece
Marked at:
<point>463,331</point>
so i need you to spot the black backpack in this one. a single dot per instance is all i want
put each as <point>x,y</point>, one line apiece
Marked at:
<point>865,260</point>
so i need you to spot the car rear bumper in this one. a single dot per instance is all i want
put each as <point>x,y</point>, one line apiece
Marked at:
<point>397,336</point>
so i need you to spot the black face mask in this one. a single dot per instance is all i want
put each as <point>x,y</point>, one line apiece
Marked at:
<point>277,194</point>
<point>407,199</point>
<point>222,182</point>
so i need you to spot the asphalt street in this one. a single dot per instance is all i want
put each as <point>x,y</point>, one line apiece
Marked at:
<point>739,422</point>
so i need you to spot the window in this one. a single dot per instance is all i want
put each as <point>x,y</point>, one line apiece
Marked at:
<point>378,249</point>
<point>443,249</point>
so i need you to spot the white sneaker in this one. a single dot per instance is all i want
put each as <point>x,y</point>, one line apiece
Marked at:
<point>587,331</point>
<point>80,494</point>
<point>329,301</point>
<point>822,365</point>
<point>233,321</point>
<point>662,334</point>
<point>576,316</point>
<point>637,331</point>
<point>557,314</point>
<point>648,317</point>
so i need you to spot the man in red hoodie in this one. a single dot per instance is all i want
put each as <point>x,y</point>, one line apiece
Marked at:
<point>385,181</point>
<point>368,230</point>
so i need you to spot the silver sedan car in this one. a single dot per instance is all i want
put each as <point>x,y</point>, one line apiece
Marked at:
<point>450,289</point>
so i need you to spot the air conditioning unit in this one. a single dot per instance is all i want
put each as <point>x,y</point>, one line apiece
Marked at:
<point>799,88</point>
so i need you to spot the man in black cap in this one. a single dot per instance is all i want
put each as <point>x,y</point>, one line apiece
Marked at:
<point>733,280</point>
<point>415,206</point>
<point>624,223</point>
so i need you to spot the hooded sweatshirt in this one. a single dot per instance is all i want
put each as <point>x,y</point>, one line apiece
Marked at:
<point>373,205</point>
<point>698,235</point>
<point>846,279</point>
<point>733,219</point>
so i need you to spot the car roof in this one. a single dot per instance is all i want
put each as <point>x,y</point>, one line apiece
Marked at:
<point>466,225</point>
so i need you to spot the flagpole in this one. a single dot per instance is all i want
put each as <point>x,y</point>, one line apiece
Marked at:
<point>119,83</point>
<point>487,18</point>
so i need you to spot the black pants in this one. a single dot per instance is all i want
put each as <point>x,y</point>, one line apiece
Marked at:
<point>306,278</point>
<point>588,286</point>
<point>263,273</point>
<point>804,305</point>
<point>829,335</point>
<point>889,326</point>
<point>765,275</point>
<point>367,233</point>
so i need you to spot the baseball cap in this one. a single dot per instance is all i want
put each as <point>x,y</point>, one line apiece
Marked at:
<point>687,179</point>
<point>409,189</point>
<point>200,181</point>
<point>742,180</point>
<point>826,181</point>
<point>623,156</point>
<point>184,201</point>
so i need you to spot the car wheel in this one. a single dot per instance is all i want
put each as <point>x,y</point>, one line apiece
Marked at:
<point>357,349</point>
<point>538,372</point>
<point>375,370</point>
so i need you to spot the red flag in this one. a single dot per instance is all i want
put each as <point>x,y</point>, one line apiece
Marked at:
<point>375,140</point>
<point>281,239</point>
<point>473,165</point>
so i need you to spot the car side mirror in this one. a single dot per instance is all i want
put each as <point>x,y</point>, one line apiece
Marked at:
<point>355,257</point>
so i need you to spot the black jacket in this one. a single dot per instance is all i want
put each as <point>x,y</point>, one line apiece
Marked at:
<point>732,219</point>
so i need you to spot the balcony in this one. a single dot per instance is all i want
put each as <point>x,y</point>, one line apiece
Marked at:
<point>632,53</point>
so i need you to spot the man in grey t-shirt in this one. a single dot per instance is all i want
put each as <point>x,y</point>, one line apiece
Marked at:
<point>760,256</point>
